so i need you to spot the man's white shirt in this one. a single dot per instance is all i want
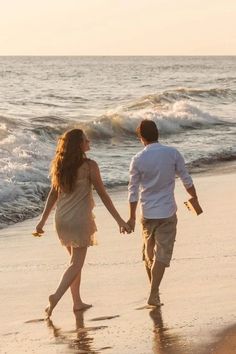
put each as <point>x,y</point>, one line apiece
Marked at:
<point>152,178</point>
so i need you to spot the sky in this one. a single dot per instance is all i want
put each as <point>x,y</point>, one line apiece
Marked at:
<point>117,27</point>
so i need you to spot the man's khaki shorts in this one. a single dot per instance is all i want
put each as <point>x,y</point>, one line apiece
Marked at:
<point>158,239</point>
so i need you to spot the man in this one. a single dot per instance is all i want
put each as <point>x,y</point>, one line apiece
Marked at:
<point>152,173</point>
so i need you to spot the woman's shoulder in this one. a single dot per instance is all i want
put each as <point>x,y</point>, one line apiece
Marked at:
<point>92,164</point>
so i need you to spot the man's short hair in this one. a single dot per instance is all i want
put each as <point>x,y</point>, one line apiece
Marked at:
<point>148,130</point>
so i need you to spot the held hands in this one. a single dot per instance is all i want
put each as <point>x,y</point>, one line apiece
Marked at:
<point>131,223</point>
<point>124,227</point>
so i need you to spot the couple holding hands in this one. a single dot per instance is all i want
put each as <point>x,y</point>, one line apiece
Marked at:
<point>152,181</point>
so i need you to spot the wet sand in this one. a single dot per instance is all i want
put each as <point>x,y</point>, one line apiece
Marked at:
<point>198,290</point>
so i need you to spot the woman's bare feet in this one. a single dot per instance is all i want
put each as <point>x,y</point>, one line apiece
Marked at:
<point>81,307</point>
<point>51,305</point>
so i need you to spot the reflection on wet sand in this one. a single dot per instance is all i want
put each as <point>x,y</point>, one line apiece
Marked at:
<point>84,341</point>
<point>79,340</point>
<point>225,342</point>
<point>165,342</point>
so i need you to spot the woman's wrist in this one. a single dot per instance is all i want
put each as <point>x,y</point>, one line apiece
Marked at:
<point>42,220</point>
<point>119,219</point>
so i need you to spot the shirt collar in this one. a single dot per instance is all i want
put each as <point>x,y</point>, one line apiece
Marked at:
<point>151,146</point>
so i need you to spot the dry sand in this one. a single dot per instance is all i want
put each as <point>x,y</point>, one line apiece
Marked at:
<point>198,290</point>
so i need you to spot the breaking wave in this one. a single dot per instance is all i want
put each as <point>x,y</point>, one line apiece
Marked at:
<point>27,145</point>
<point>173,119</point>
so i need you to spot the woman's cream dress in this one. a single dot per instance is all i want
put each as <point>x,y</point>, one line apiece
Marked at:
<point>74,219</point>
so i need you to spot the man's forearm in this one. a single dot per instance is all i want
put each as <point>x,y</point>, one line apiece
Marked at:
<point>132,208</point>
<point>192,191</point>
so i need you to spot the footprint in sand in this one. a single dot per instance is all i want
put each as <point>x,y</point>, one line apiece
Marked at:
<point>84,329</point>
<point>36,320</point>
<point>148,307</point>
<point>10,333</point>
<point>87,329</point>
<point>103,318</point>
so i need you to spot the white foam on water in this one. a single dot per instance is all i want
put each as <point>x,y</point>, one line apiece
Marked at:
<point>27,146</point>
<point>170,119</point>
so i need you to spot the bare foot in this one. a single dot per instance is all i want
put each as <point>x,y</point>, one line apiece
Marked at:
<point>82,307</point>
<point>154,300</point>
<point>51,305</point>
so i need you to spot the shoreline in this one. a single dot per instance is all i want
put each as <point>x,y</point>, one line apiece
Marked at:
<point>226,167</point>
<point>199,312</point>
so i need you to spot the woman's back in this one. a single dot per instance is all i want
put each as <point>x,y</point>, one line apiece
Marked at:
<point>74,219</point>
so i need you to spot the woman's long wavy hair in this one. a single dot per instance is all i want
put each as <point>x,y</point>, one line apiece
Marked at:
<point>69,157</point>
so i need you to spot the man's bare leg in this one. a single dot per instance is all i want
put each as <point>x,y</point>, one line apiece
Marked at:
<point>149,256</point>
<point>157,272</point>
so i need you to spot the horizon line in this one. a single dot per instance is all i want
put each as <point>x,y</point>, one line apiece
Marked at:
<point>117,55</point>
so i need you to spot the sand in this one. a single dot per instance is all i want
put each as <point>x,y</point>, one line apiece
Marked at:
<point>198,290</point>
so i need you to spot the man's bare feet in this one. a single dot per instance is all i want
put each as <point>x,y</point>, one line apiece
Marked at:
<point>51,305</point>
<point>81,307</point>
<point>154,299</point>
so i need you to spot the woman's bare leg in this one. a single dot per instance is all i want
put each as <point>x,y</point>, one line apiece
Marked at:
<point>78,304</point>
<point>76,263</point>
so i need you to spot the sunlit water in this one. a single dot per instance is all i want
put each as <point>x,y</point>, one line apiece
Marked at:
<point>192,99</point>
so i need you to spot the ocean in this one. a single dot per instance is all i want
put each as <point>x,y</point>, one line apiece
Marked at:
<point>192,100</point>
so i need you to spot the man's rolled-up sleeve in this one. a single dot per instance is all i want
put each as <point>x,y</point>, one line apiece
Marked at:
<point>134,182</point>
<point>181,171</point>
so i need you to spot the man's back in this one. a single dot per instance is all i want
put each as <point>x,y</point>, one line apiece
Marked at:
<point>154,170</point>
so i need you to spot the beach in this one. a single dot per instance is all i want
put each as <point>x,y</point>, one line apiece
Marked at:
<point>198,290</point>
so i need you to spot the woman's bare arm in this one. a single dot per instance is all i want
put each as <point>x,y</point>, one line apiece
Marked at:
<point>99,187</point>
<point>50,202</point>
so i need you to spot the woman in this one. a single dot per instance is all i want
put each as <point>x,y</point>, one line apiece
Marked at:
<point>72,176</point>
